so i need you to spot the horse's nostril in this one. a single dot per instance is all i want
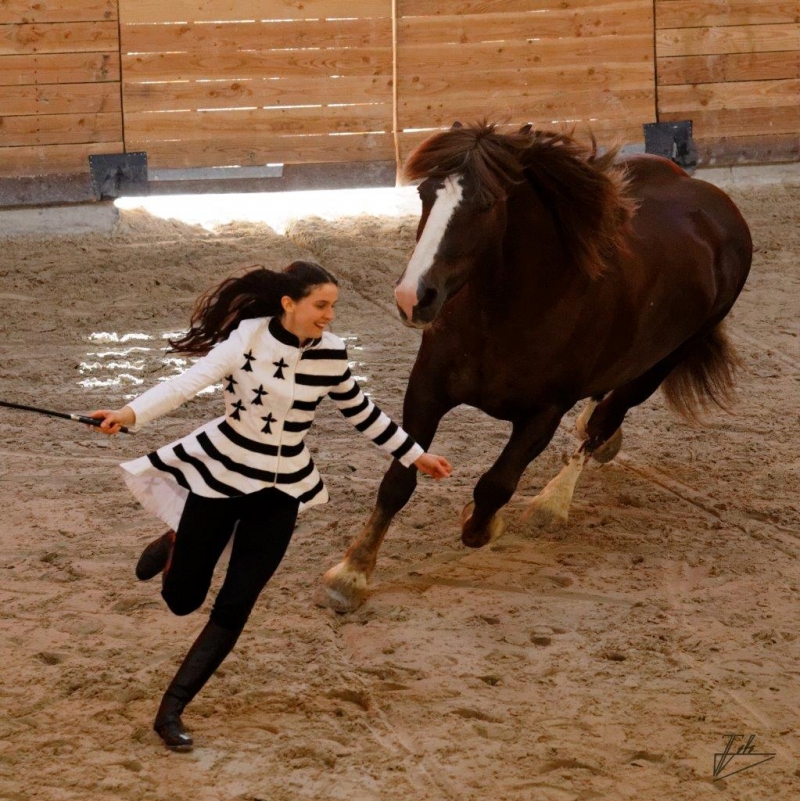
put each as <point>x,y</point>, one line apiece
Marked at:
<point>428,297</point>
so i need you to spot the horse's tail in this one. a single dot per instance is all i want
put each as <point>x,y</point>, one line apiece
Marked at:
<point>704,376</point>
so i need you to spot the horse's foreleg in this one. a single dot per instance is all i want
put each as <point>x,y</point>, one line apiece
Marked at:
<point>495,488</point>
<point>344,587</point>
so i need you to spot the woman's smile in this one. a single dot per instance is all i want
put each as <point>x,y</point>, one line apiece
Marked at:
<point>308,317</point>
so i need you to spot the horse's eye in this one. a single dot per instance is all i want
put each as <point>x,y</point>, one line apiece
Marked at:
<point>427,192</point>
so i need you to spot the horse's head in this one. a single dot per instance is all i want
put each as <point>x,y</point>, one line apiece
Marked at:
<point>465,175</point>
<point>458,228</point>
<point>471,174</point>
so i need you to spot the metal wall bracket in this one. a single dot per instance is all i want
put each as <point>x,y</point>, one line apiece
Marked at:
<point>116,174</point>
<point>673,140</point>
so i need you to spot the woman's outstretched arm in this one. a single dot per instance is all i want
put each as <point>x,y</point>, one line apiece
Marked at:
<point>367,418</point>
<point>169,395</point>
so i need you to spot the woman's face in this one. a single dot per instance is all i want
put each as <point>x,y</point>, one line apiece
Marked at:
<point>308,317</point>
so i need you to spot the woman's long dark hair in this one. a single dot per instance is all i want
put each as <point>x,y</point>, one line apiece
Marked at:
<point>257,293</point>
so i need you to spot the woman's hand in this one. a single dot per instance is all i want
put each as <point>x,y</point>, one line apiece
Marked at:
<point>433,465</point>
<point>114,419</point>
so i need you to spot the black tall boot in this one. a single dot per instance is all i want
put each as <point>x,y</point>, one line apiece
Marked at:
<point>155,557</point>
<point>209,650</point>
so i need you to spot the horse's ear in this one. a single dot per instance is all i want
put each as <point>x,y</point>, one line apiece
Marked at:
<point>456,124</point>
<point>526,129</point>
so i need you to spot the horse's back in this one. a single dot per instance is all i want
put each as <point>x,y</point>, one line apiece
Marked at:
<point>653,178</point>
<point>672,204</point>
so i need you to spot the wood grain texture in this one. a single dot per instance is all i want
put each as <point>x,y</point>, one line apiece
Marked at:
<point>59,129</point>
<point>59,37</point>
<point>728,67</point>
<point>17,11</point>
<point>149,11</point>
<point>733,39</point>
<point>59,68</point>
<point>705,13</point>
<point>82,98</point>
<point>17,162</point>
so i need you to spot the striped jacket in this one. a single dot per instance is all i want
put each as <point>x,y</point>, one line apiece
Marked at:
<point>272,388</point>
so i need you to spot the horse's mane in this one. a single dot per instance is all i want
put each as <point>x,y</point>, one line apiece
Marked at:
<point>586,192</point>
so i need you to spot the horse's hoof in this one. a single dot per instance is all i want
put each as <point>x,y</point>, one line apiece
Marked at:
<point>336,599</point>
<point>609,449</point>
<point>495,529</point>
<point>475,539</point>
<point>544,514</point>
<point>343,589</point>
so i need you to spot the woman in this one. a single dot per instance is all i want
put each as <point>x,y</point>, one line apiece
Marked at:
<point>263,336</point>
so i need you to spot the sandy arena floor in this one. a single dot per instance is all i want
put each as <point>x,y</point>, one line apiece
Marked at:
<point>604,660</point>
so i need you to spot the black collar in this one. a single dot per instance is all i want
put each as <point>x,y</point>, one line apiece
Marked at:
<point>286,337</point>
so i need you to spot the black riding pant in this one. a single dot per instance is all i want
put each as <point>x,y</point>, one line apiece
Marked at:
<point>261,523</point>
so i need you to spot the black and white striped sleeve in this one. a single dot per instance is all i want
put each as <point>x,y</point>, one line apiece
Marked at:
<point>367,418</point>
<point>169,395</point>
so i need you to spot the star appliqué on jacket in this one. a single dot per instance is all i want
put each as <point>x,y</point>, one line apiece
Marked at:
<point>268,419</point>
<point>231,383</point>
<point>259,393</point>
<point>238,407</point>
<point>247,367</point>
<point>280,365</point>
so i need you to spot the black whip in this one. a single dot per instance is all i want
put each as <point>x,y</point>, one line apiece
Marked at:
<point>78,418</point>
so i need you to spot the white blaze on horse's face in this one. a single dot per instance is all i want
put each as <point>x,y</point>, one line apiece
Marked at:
<point>447,199</point>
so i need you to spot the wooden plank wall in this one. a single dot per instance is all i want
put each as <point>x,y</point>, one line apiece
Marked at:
<point>59,85</point>
<point>733,68</point>
<point>199,83</point>
<point>547,62</point>
<point>253,82</point>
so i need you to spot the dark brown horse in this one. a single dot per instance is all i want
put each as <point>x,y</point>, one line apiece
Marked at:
<point>544,274</point>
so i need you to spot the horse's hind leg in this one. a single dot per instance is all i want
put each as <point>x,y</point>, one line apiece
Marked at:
<point>600,428</point>
<point>611,447</point>
<point>552,504</point>
<point>604,425</point>
<point>602,432</point>
<point>585,415</point>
